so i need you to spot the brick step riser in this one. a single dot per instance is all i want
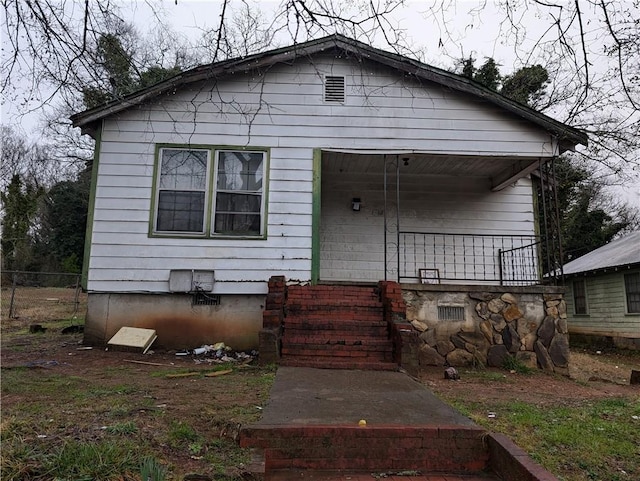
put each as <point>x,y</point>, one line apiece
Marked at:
<point>328,322</point>
<point>335,348</point>
<point>336,334</point>
<point>343,355</point>
<point>333,305</point>
<point>324,311</point>
<point>405,448</point>
<point>329,290</point>
<point>348,363</point>
<point>315,339</point>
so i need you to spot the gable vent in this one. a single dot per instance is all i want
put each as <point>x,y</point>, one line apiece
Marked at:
<point>334,89</point>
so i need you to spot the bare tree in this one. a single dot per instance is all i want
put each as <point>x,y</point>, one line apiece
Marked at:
<point>591,48</point>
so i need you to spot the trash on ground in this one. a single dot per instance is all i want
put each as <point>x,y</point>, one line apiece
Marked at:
<point>218,373</point>
<point>150,363</point>
<point>451,373</point>
<point>42,363</point>
<point>491,415</point>
<point>84,348</point>
<point>217,353</point>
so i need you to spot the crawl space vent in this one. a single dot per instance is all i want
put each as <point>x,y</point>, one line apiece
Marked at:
<point>334,89</point>
<point>204,299</point>
<point>451,313</point>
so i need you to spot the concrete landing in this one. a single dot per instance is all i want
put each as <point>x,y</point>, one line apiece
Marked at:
<point>308,396</point>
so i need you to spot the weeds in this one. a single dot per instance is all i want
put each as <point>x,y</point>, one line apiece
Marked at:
<point>511,363</point>
<point>152,470</point>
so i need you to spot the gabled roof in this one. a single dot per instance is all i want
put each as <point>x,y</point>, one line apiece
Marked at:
<point>567,135</point>
<point>621,252</point>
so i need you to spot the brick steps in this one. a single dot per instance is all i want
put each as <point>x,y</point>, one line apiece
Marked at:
<point>306,475</point>
<point>338,327</point>
<point>451,449</point>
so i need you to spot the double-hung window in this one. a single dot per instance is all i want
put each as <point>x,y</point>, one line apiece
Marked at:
<point>632,292</point>
<point>580,296</point>
<point>210,192</point>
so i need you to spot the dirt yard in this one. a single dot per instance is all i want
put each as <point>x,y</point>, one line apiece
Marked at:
<point>592,376</point>
<point>55,390</point>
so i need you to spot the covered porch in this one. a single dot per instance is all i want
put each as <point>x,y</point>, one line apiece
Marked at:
<point>428,218</point>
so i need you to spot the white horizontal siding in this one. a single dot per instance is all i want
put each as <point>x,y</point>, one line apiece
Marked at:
<point>381,111</point>
<point>124,258</point>
<point>352,243</point>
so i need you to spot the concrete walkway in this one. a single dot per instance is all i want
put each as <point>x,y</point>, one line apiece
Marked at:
<point>309,396</point>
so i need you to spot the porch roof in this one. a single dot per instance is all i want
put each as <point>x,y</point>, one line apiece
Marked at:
<point>568,136</point>
<point>501,170</point>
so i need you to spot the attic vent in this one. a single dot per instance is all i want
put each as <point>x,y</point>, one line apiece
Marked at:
<point>451,313</point>
<point>334,89</point>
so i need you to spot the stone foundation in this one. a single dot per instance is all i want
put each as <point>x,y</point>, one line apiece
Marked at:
<point>485,326</point>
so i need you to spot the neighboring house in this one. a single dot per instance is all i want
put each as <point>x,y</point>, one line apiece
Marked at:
<point>603,293</point>
<point>326,161</point>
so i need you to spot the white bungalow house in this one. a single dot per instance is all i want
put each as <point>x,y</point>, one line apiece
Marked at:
<point>326,161</point>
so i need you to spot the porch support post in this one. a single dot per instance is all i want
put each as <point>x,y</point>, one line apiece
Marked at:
<point>315,215</point>
<point>384,182</point>
<point>398,218</point>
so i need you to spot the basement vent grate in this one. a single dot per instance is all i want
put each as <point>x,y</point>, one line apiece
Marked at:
<point>451,313</point>
<point>334,89</point>
<point>204,299</point>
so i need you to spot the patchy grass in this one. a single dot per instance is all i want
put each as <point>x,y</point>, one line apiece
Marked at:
<point>590,440</point>
<point>90,415</point>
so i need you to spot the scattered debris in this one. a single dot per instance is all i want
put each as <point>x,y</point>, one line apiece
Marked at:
<point>150,363</point>
<point>36,328</point>
<point>491,415</point>
<point>42,363</point>
<point>84,348</point>
<point>451,373</point>
<point>218,373</point>
<point>217,353</point>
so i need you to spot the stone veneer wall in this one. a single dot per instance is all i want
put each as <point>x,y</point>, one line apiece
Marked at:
<point>528,323</point>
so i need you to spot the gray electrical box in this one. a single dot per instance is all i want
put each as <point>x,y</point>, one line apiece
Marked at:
<point>191,280</point>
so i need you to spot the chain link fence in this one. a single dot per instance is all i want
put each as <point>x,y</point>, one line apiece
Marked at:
<point>42,296</point>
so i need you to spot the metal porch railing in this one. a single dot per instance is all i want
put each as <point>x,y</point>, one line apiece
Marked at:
<point>430,258</point>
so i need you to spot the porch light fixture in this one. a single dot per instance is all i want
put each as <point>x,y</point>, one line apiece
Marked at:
<point>356,203</point>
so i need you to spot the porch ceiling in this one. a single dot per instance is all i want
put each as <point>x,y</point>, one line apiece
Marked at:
<point>501,170</point>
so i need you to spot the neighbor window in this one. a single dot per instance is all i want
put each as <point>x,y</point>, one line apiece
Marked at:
<point>209,192</point>
<point>580,296</point>
<point>632,291</point>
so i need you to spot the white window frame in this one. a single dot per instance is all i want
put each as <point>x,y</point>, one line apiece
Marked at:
<point>157,190</point>
<point>210,193</point>
<point>214,210</point>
